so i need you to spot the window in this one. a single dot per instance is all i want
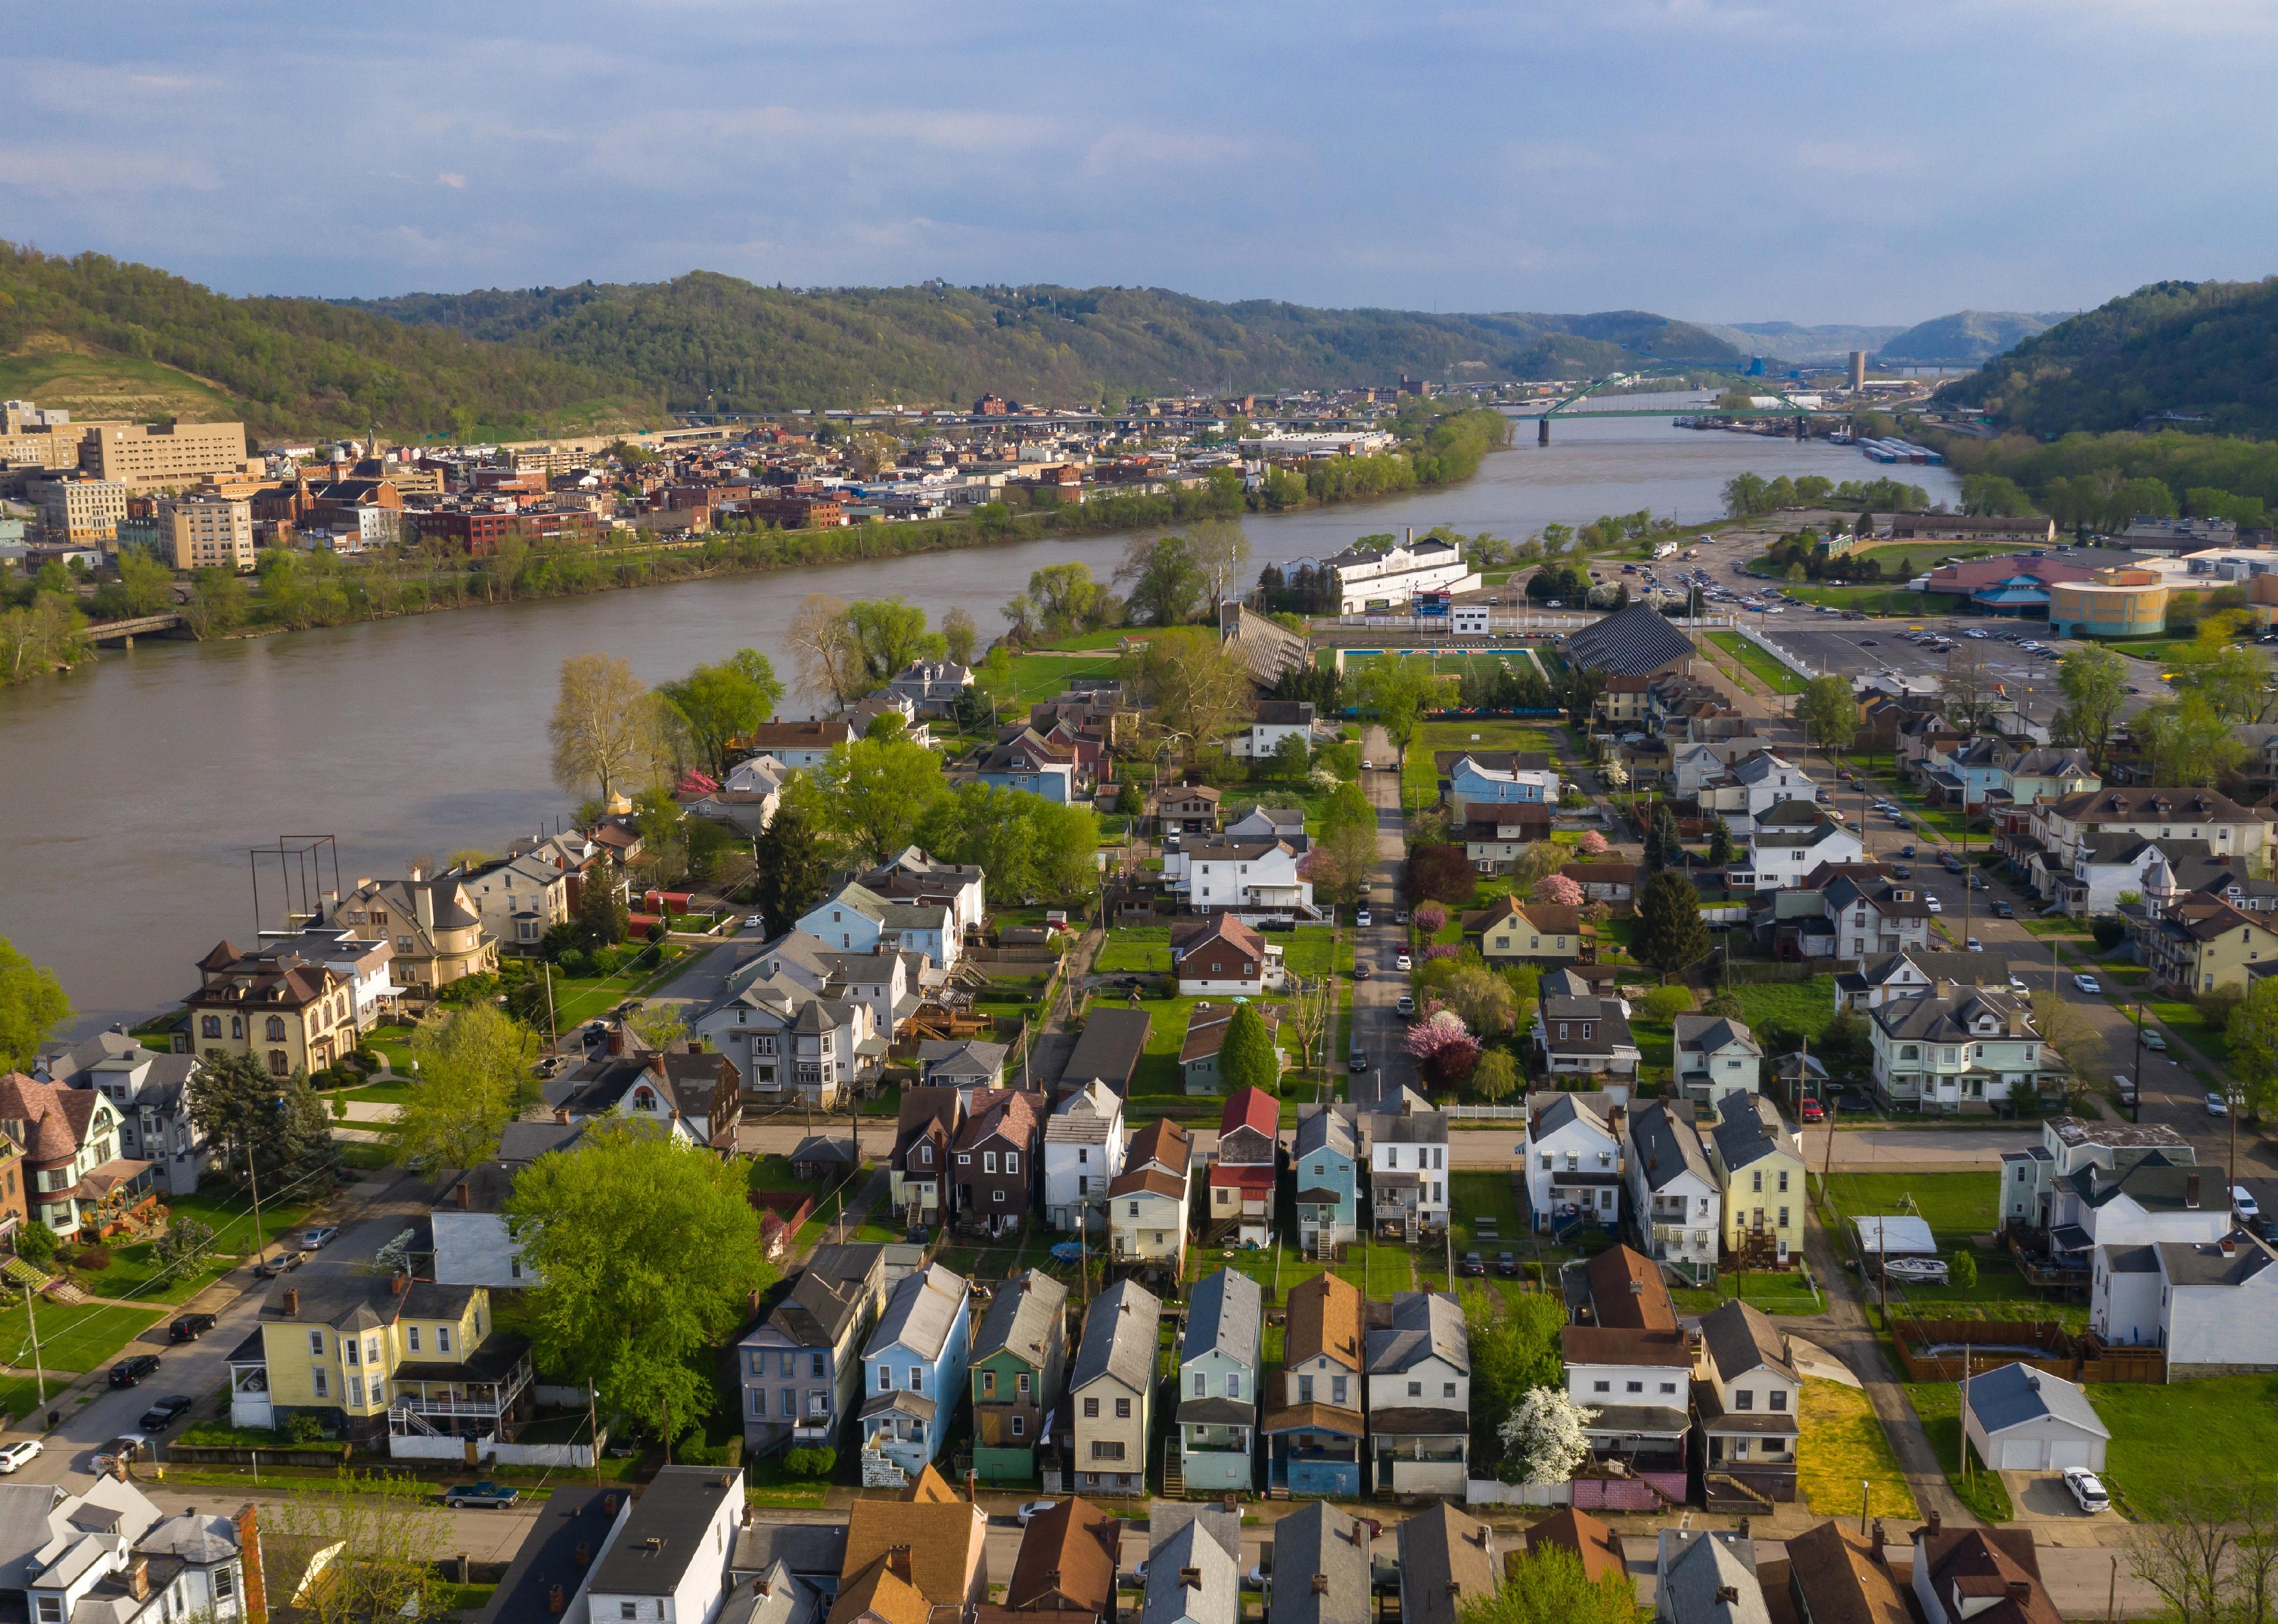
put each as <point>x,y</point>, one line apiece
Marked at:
<point>1201,1385</point>
<point>274,1029</point>
<point>349,1352</point>
<point>629,1610</point>
<point>1336,1390</point>
<point>317,1342</point>
<point>760,1402</point>
<point>442,1339</point>
<point>210,1026</point>
<point>1234,1387</point>
<point>1546,1161</point>
<point>1083,1156</point>
<point>1135,1209</point>
<point>1019,1426</point>
<point>355,1389</point>
<point>371,1352</point>
<point>1777,1398</point>
<point>1602,1387</point>
<point>925,1155</point>
<point>917,1378</point>
<point>225,1583</point>
<point>278,1066</point>
<point>1744,1398</point>
<point>322,1391</point>
<point>885,1380</point>
<point>1782,1222</point>
<point>988,1384</point>
<point>1416,1390</point>
<point>1091,1409</point>
<point>1757,1180</point>
<point>1668,1388</point>
<point>964,1160</point>
<point>1783,1181</point>
<point>51,1610</point>
<point>1123,1409</point>
<point>1304,1389</point>
<point>1012,1162</point>
<point>1107,1449</point>
<point>1020,1384</point>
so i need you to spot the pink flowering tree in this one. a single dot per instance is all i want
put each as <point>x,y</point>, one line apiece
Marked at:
<point>1430,918</point>
<point>1441,950</point>
<point>1593,844</point>
<point>1442,1047</point>
<point>1556,888</point>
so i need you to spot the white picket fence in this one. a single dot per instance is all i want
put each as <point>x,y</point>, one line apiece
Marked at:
<point>1487,1491</point>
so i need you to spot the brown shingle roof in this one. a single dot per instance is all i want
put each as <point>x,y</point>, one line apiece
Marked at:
<point>1068,1556</point>
<point>877,1591</point>
<point>1840,1580</point>
<point>1324,1319</point>
<point>942,1538</point>
<point>1626,1292</point>
<point>1598,1546</point>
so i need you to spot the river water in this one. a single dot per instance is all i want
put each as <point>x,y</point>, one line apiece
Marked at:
<point>132,789</point>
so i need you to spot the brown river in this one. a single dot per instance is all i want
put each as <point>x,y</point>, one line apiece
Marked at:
<point>136,787</point>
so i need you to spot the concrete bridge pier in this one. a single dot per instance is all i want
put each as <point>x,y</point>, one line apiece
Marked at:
<point>1543,431</point>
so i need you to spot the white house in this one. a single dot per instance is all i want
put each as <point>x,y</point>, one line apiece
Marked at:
<point>2148,1202</point>
<point>2023,1420</point>
<point>800,745</point>
<point>1573,1158</point>
<point>1748,789</point>
<point>1407,1171</point>
<point>914,875</point>
<point>1674,1201</point>
<point>670,1557</point>
<point>1146,1205</point>
<point>1792,839</point>
<point>1715,1056</point>
<point>1285,824</point>
<point>1419,1396</point>
<point>1271,721</point>
<point>1254,876</point>
<point>2030,1177</point>
<point>1958,1050</point>
<point>1083,1154</point>
<point>2212,1305</point>
<point>1396,574</point>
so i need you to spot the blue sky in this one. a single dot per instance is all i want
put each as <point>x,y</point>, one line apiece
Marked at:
<point>1811,162</point>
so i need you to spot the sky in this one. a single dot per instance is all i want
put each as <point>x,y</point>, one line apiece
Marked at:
<point>1806,162</point>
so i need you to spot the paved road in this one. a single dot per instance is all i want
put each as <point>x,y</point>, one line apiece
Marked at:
<point>1378,1028</point>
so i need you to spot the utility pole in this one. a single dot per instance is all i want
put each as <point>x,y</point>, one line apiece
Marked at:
<point>1965,1415</point>
<point>594,1430</point>
<point>553,1032</point>
<point>253,1181</point>
<point>39,1371</point>
<point>2135,1111</point>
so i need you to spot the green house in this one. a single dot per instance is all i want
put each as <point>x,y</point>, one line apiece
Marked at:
<point>1020,1360</point>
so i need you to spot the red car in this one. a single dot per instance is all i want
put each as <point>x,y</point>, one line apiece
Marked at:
<point>1812,1111</point>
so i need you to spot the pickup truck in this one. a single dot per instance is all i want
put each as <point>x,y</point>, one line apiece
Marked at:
<point>496,1497</point>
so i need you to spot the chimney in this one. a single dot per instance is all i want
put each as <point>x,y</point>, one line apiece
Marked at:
<point>1935,1520</point>
<point>2192,1188</point>
<point>248,1541</point>
<point>1232,1503</point>
<point>2230,1245</point>
<point>1877,1546</point>
<point>1455,1587</point>
<point>398,1282</point>
<point>2020,1590</point>
<point>585,1553</point>
<point>1744,1527</point>
<point>462,1195</point>
<point>898,1562</point>
<point>557,1600</point>
<point>138,1578</point>
<point>1320,1584</point>
<point>292,1302</point>
<point>1190,1578</point>
<point>561,1115</point>
<point>610,1504</point>
<point>617,1037</point>
<point>1728,1594</point>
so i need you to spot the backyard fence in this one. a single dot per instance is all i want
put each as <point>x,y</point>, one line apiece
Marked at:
<point>1932,1350</point>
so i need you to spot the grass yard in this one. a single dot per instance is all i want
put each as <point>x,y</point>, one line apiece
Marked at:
<point>1420,783</point>
<point>1883,602</point>
<point>229,1215</point>
<point>1475,1196</point>
<point>580,999</point>
<point>1844,1444</point>
<point>1759,664</point>
<point>2166,1437</point>
<point>1939,1406</point>
<point>1801,1007</point>
<point>1957,1205</point>
<point>2186,1022</point>
<point>75,1336</point>
<point>1770,1291</point>
<point>136,1272</point>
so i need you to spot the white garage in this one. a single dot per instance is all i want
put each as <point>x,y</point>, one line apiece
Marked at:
<point>2023,1420</point>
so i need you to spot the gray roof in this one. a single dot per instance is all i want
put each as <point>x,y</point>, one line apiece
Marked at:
<point>1747,1130</point>
<point>1323,1130</point>
<point>1165,1518</point>
<point>1424,1324</point>
<point>960,1058</point>
<point>809,1549</point>
<point>1109,1049</point>
<point>24,1509</point>
<point>1665,1148</point>
<point>1226,1313</point>
<point>1320,1542</point>
<point>680,1499</point>
<point>1740,1338</point>
<point>1217,1599</point>
<point>920,1312</point>
<point>1710,1033</point>
<point>1021,1317</point>
<point>2132,1259</point>
<point>1696,1570</point>
<point>521,1143</point>
<point>787,1599</point>
<point>1636,641</point>
<point>1119,1338</point>
<point>2015,1394</point>
<point>817,1310</point>
<point>1564,1109</point>
<point>1448,1560</point>
<point>2206,1263</point>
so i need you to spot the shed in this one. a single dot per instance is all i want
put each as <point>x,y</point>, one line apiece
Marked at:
<point>2023,1420</point>
<point>1108,1051</point>
<point>1895,1237</point>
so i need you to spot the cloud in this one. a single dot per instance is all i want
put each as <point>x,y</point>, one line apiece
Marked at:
<point>457,183</point>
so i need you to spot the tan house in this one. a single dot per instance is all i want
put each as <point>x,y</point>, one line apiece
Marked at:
<point>2200,943</point>
<point>292,1014</point>
<point>1508,931</point>
<point>432,924</point>
<point>520,900</point>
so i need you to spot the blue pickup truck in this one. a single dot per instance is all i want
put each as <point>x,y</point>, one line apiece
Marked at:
<point>497,1496</point>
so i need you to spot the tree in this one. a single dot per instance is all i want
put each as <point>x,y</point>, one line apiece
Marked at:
<point>886,635</point>
<point>1395,693</point>
<point>1067,598</point>
<point>1495,1077</point>
<point>1341,861</point>
<point>1291,758</point>
<point>960,636</point>
<point>723,702</point>
<point>1442,1049</point>
<point>240,1105</point>
<point>792,869</point>
<point>604,728</point>
<point>475,1077</point>
<point>1558,890</point>
<point>1995,496</point>
<point>32,1006</point>
<point>382,1535</point>
<point>1029,847</point>
<point>647,1254</point>
<point>1968,691</point>
<point>1592,844</point>
<point>1246,1057</point>
<point>1720,843</point>
<point>1481,998</point>
<point>1543,1440</point>
<point>2094,682</point>
<point>601,912</point>
<point>1192,687</point>
<point>2210,1549</point>
<point>2252,1034</point>
<point>217,601</point>
<point>1964,1267</point>
<point>872,792</point>
<point>184,1244</point>
<point>1547,1585</point>
<point>1165,581</point>
<point>2186,743</point>
<point>2064,1029</point>
<point>1670,934</point>
<point>1220,551</point>
<point>660,1026</point>
<point>822,647</point>
<point>1515,1349</point>
<point>1436,874</point>
<point>1828,714</point>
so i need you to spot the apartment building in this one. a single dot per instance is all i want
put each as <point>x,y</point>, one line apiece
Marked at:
<point>81,512</point>
<point>202,532</point>
<point>165,457</point>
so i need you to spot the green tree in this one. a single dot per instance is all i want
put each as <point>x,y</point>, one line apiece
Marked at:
<point>601,911</point>
<point>1246,1057</point>
<point>1191,686</point>
<point>1720,843</point>
<point>1515,1347</point>
<point>1496,1075</point>
<point>1065,597</point>
<point>722,703</point>
<point>2187,742</point>
<point>1394,694</point>
<point>2094,682</point>
<point>792,869</point>
<point>2252,1033</point>
<point>1548,1586</point>
<point>146,585</point>
<point>648,1255</point>
<point>240,1105</point>
<point>1164,584</point>
<point>32,1006</point>
<point>1996,496</point>
<point>217,601</point>
<point>604,727</point>
<point>886,635</point>
<point>959,637</point>
<point>185,1244</point>
<point>1964,1267</point>
<point>1670,934</point>
<point>872,794</point>
<point>1828,714</point>
<point>475,1076</point>
<point>1291,758</point>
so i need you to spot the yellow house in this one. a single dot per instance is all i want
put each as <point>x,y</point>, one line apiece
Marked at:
<point>1539,932</point>
<point>291,1014</point>
<point>2202,944</point>
<point>376,1356</point>
<point>1759,1168</point>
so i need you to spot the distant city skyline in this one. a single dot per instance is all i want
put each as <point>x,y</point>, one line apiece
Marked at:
<point>1714,162</point>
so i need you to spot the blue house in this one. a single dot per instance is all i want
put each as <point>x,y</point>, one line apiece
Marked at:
<point>1020,766</point>
<point>913,1369</point>
<point>1324,1158</point>
<point>856,919</point>
<point>1219,1384</point>
<point>1501,777</point>
<point>1316,1430</point>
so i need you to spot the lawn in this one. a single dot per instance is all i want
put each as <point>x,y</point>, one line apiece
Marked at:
<point>1474,1196</point>
<point>136,1272</point>
<point>2166,1436</point>
<point>229,1213</point>
<point>1844,1444</point>
<point>1419,785</point>
<point>1378,1271</point>
<point>1883,602</point>
<point>74,1336</point>
<point>1042,677</point>
<point>1957,1205</point>
<point>2186,1022</point>
<point>579,998</point>
<point>1770,1291</point>
<point>1795,1006</point>
<point>1774,676</point>
<point>1939,1406</point>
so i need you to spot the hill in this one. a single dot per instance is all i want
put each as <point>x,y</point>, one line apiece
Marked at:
<point>1800,346</point>
<point>100,337</point>
<point>707,340</point>
<point>2199,349</point>
<point>1972,337</point>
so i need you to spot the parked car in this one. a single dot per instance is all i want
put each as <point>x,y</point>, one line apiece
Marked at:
<point>189,1328</point>
<point>2124,1086</point>
<point>2153,1039</point>
<point>1361,972</point>
<point>129,1372</point>
<point>1361,919</point>
<point>2087,983</point>
<point>1474,1264</point>
<point>1900,870</point>
<point>1405,1004</point>
<point>126,1446</point>
<point>284,1263</point>
<point>1034,1508</point>
<point>753,921</point>
<point>22,1452</point>
<point>1359,1060</point>
<point>1401,962</point>
<point>311,1240</point>
<point>494,1497</point>
<point>2244,1204</point>
<point>2002,910</point>
<point>2217,1105</point>
<point>1906,851</point>
<point>1934,905</point>
<point>1811,1111</point>
<point>167,1411</point>
<point>2088,1488</point>
<point>1507,1263</point>
<point>1978,883</point>
<point>1969,944</point>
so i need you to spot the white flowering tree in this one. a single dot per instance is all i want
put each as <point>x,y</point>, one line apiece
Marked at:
<point>1542,1439</point>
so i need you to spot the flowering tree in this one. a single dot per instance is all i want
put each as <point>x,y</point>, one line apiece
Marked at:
<point>1430,918</point>
<point>1558,889</point>
<point>1542,1439</point>
<point>1440,950</point>
<point>1593,844</point>
<point>1442,1047</point>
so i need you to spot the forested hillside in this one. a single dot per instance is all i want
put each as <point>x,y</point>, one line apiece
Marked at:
<point>2203,350</point>
<point>1967,336</point>
<point>713,341</point>
<point>97,335</point>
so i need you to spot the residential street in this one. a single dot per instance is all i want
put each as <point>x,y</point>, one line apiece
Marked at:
<point>1377,1029</point>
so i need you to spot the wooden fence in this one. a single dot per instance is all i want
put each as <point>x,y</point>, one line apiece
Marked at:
<point>2042,1344</point>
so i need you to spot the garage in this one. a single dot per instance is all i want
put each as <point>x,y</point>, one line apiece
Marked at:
<point>2023,1420</point>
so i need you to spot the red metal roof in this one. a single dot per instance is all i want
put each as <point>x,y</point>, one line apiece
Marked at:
<point>1252,1107</point>
<point>1243,1174</point>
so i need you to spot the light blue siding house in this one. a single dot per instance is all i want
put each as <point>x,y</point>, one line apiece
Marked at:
<point>856,919</point>
<point>1497,778</point>
<point>1218,1376</point>
<point>913,1369</point>
<point>1323,1157</point>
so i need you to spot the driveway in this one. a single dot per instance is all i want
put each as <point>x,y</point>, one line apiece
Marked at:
<point>2041,1500</point>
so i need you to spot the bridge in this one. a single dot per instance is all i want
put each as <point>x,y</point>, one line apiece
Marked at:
<point>124,632</point>
<point>1568,408</point>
